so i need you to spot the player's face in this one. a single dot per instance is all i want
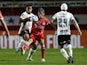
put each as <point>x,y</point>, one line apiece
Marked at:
<point>29,9</point>
<point>40,14</point>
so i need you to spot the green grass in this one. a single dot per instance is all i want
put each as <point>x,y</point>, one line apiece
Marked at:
<point>53,57</point>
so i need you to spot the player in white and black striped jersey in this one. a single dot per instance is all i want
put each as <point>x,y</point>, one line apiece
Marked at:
<point>64,19</point>
<point>26,20</point>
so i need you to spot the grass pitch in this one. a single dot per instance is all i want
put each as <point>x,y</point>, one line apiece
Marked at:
<point>53,57</point>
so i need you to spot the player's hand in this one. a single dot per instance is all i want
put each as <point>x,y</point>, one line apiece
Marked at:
<point>28,19</point>
<point>80,33</point>
<point>8,34</point>
<point>48,23</point>
<point>5,33</point>
<point>55,33</point>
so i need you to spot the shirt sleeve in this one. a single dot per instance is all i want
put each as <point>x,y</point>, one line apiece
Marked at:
<point>1,16</point>
<point>22,16</point>
<point>72,17</point>
<point>35,18</point>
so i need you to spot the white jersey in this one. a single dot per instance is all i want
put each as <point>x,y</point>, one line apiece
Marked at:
<point>63,22</point>
<point>28,24</point>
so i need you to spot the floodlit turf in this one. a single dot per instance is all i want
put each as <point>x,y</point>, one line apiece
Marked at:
<point>53,57</point>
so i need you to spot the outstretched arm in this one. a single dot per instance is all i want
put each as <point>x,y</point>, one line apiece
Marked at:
<point>4,24</point>
<point>77,26</point>
<point>51,23</point>
<point>24,20</point>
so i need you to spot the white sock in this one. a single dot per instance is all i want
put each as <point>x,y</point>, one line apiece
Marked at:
<point>22,42</point>
<point>30,54</point>
<point>64,53</point>
<point>70,50</point>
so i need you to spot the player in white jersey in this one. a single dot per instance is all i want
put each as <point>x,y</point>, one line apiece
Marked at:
<point>64,19</point>
<point>26,20</point>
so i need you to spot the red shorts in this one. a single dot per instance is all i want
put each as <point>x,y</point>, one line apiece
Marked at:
<point>37,37</point>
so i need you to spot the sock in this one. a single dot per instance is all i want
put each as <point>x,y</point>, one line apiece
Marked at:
<point>27,44</point>
<point>42,53</point>
<point>31,52</point>
<point>64,53</point>
<point>70,50</point>
<point>21,43</point>
<point>25,47</point>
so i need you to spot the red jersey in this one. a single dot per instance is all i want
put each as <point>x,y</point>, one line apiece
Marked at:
<point>1,15</point>
<point>41,26</point>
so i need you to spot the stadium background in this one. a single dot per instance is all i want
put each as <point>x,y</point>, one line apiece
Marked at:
<point>12,9</point>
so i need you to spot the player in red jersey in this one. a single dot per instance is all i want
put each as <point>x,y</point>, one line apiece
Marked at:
<point>38,33</point>
<point>4,24</point>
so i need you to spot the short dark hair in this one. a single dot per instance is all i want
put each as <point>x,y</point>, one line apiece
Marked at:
<point>41,10</point>
<point>28,5</point>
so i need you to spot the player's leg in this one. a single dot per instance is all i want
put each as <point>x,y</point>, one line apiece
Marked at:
<point>63,52</point>
<point>69,46</point>
<point>42,50</point>
<point>41,41</point>
<point>26,38</point>
<point>31,51</point>
<point>61,44</point>
<point>22,41</point>
<point>27,44</point>
<point>25,35</point>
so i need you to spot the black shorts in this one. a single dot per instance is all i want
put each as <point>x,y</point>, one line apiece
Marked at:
<point>63,39</point>
<point>24,32</point>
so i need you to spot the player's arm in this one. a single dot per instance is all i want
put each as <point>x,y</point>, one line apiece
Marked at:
<point>24,20</point>
<point>51,20</point>
<point>77,26</point>
<point>51,23</point>
<point>4,24</point>
<point>21,27</point>
<point>35,20</point>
